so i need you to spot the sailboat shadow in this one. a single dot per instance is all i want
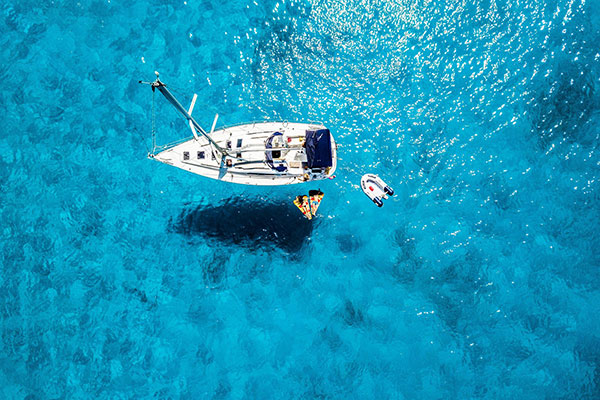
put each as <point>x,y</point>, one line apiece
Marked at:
<point>252,223</point>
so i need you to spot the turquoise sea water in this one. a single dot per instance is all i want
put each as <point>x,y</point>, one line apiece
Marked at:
<point>125,278</point>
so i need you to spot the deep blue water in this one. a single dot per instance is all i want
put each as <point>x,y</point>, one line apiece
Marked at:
<point>126,278</point>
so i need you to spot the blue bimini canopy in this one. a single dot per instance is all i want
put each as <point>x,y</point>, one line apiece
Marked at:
<point>318,148</point>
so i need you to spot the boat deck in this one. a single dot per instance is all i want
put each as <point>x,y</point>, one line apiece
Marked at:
<point>248,164</point>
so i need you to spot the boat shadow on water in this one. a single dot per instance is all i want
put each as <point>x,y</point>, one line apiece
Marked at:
<point>252,223</point>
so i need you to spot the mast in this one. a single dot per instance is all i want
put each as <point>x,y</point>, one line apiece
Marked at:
<point>157,84</point>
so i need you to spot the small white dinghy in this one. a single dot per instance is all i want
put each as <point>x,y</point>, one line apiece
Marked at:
<point>260,153</point>
<point>375,188</point>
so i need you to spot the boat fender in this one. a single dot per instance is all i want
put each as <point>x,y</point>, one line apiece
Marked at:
<point>378,202</point>
<point>389,190</point>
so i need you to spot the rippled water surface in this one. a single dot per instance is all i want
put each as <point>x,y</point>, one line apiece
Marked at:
<point>125,278</point>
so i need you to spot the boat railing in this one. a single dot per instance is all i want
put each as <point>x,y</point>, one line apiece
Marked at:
<point>163,147</point>
<point>284,123</point>
<point>169,145</point>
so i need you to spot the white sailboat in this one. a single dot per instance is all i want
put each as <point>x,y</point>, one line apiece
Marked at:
<point>260,153</point>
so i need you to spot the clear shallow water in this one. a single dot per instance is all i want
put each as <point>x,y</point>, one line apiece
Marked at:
<point>124,278</point>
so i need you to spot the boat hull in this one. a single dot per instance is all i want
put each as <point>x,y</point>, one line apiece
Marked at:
<point>248,166</point>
